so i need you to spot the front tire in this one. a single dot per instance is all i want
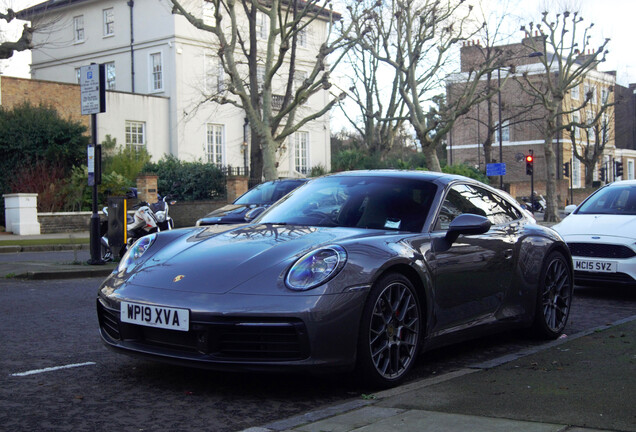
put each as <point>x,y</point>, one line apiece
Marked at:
<point>390,331</point>
<point>554,297</point>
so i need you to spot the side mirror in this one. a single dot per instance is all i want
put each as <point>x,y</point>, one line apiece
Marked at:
<point>254,213</point>
<point>467,224</point>
<point>570,209</point>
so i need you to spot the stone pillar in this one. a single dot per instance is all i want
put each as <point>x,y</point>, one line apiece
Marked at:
<point>235,187</point>
<point>147,188</point>
<point>21,213</point>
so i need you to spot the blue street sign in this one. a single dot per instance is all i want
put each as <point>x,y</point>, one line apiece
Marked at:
<point>495,169</point>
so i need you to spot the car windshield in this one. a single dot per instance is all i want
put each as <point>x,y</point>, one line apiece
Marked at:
<point>268,192</point>
<point>619,200</point>
<point>363,202</point>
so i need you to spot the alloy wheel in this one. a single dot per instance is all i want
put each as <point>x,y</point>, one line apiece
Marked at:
<point>557,295</point>
<point>394,330</point>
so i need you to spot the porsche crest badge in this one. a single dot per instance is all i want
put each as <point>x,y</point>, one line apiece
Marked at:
<point>178,278</point>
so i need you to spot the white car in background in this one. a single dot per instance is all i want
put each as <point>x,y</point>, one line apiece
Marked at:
<point>601,235</point>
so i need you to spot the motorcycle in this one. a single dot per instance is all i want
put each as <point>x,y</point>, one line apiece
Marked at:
<point>147,219</point>
<point>539,203</point>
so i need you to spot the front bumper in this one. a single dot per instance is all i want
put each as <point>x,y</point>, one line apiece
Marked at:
<point>243,332</point>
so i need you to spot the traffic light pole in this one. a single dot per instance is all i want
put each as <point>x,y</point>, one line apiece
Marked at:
<point>532,191</point>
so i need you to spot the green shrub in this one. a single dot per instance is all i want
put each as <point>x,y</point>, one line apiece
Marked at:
<point>37,135</point>
<point>317,171</point>
<point>123,160</point>
<point>188,181</point>
<point>466,171</point>
<point>79,196</point>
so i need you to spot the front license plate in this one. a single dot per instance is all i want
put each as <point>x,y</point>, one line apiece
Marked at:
<point>155,316</point>
<point>595,266</point>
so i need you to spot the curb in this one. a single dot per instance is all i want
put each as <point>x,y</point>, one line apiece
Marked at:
<point>44,248</point>
<point>65,274</point>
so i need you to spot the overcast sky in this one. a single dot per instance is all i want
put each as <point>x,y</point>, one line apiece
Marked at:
<point>614,19</point>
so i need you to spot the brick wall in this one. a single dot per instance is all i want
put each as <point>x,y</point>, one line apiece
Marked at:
<point>235,186</point>
<point>65,98</point>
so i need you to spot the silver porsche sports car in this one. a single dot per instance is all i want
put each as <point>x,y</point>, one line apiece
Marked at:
<point>360,270</point>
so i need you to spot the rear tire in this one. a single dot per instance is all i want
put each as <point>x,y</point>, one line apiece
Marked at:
<point>554,297</point>
<point>390,332</point>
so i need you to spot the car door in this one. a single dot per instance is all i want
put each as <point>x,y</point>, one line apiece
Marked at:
<point>472,275</point>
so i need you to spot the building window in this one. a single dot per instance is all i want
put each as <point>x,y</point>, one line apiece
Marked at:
<point>220,76</point>
<point>604,95</point>
<point>78,75</point>
<point>505,131</point>
<point>590,89</point>
<point>261,25</point>
<point>78,29</point>
<point>109,22</point>
<point>576,118</point>
<point>156,73</point>
<point>214,74</point>
<point>301,151</point>
<point>215,144</point>
<point>110,75</point>
<point>260,77</point>
<point>576,172</point>
<point>574,93</point>
<point>591,131</point>
<point>135,134</point>
<point>630,169</point>
<point>302,37</point>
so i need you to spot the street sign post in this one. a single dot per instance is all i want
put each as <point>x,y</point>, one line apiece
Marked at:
<point>93,102</point>
<point>93,92</point>
<point>495,169</point>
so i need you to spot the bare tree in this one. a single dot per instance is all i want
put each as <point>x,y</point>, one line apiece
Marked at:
<point>257,45</point>
<point>25,42</point>
<point>416,38</point>
<point>591,135</point>
<point>561,40</point>
<point>489,48</point>
<point>374,107</point>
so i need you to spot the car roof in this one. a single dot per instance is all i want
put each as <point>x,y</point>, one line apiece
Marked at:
<point>622,183</point>
<point>408,174</point>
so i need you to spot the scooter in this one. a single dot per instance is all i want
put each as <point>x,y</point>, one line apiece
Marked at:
<point>147,219</point>
<point>538,204</point>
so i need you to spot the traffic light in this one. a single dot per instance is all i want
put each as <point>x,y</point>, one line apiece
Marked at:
<point>603,171</point>
<point>618,168</point>
<point>566,169</point>
<point>529,164</point>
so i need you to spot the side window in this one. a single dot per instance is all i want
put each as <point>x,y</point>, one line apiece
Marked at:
<point>475,200</point>
<point>497,209</point>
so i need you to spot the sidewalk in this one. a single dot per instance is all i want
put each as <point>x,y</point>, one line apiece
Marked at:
<point>583,383</point>
<point>71,262</point>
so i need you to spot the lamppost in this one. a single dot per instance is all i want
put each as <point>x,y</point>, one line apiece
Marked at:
<point>534,54</point>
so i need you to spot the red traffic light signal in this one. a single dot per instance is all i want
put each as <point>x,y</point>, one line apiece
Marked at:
<point>529,158</point>
<point>529,164</point>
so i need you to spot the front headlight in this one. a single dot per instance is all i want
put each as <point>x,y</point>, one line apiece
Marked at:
<point>316,268</point>
<point>135,252</point>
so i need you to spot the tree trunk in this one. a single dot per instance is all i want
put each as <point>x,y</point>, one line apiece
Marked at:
<point>551,211</point>
<point>270,166</point>
<point>429,150</point>
<point>256,158</point>
<point>589,174</point>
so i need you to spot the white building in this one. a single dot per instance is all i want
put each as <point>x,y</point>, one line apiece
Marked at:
<point>149,50</point>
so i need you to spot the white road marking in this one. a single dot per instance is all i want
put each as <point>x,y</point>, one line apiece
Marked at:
<point>50,369</point>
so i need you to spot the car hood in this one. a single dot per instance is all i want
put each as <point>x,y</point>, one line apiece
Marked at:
<point>578,225</point>
<point>215,263</point>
